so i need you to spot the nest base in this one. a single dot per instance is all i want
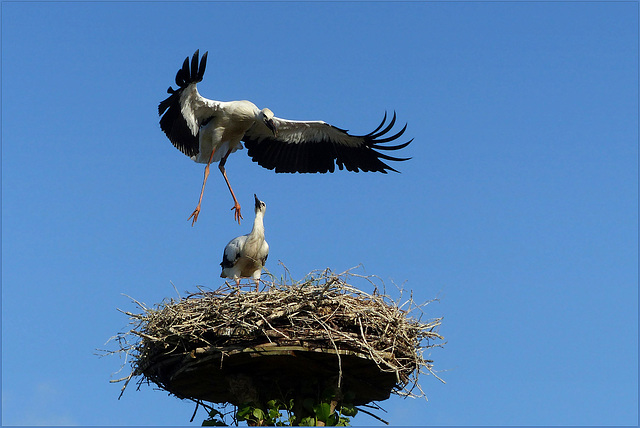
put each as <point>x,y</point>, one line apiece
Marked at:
<point>213,374</point>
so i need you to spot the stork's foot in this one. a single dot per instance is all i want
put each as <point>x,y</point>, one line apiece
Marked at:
<point>194,214</point>
<point>236,215</point>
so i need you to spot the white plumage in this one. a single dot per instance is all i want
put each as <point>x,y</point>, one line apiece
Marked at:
<point>245,256</point>
<point>209,131</point>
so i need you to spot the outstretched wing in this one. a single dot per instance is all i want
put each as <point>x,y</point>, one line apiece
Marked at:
<point>317,146</point>
<point>184,111</point>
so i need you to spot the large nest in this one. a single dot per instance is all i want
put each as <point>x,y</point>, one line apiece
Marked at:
<point>210,345</point>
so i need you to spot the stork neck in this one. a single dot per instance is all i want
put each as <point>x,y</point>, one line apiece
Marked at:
<point>258,225</point>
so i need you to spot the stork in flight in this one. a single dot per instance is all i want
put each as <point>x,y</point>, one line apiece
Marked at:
<point>245,256</point>
<point>209,131</point>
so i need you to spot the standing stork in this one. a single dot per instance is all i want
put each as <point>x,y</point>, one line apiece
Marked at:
<point>209,131</point>
<point>245,256</point>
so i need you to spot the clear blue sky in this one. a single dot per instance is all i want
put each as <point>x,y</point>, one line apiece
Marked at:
<point>519,209</point>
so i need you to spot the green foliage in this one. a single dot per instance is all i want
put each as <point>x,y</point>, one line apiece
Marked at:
<point>348,410</point>
<point>215,419</point>
<point>269,415</point>
<point>284,412</point>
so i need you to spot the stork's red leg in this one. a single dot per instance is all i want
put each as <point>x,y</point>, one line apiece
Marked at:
<point>236,215</point>
<point>196,212</point>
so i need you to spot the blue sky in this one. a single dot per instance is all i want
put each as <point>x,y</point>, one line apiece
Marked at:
<point>519,209</point>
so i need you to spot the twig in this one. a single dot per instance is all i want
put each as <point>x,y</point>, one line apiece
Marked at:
<point>372,415</point>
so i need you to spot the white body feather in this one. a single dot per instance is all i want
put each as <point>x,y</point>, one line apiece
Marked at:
<point>245,256</point>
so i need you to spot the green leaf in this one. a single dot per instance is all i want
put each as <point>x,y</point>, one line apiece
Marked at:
<point>259,414</point>
<point>292,419</point>
<point>332,420</point>
<point>349,410</point>
<point>343,422</point>
<point>243,412</point>
<point>322,411</point>
<point>215,419</point>
<point>309,421</point>
<point>274,414</point>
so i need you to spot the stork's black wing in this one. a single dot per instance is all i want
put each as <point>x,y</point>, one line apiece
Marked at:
<point>317,146</point>
<point>181,118</point>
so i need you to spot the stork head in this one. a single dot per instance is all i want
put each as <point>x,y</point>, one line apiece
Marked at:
<point>267,117</point>
<point>260,206</point>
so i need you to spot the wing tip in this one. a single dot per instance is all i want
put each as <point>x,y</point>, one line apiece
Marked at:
<point>192,71</point>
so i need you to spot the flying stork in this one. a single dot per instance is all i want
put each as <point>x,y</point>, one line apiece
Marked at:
<point>245,256</point>
<point>209,131</point>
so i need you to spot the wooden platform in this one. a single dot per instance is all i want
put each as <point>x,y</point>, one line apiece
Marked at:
<point>206,373</point>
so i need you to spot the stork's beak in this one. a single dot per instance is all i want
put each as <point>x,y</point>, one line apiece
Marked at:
<point>257,201</point>
<point>272,126</point>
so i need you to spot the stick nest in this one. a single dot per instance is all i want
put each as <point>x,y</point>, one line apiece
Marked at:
<point>201,346</point>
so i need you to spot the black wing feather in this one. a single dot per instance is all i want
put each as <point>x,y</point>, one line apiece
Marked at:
<point>323,156</point>
<point>172,122</point>
<point>226,263</point>
<point>384,119</point>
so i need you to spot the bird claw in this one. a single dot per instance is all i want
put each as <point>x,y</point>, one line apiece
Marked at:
<point>236,215</point>
<point>194,214</point>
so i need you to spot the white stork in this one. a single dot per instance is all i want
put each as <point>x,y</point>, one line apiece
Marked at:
<point>245,256</point>
<point>209,131</point>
